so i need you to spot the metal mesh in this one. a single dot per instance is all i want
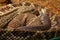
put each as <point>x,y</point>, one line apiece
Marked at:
<point>19,35</point>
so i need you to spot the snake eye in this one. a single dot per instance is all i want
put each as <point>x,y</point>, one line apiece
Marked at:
<point>35,5</point>
<point>20,4</point>
<point>27,4</point>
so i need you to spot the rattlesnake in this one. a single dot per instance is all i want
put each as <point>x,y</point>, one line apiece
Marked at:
<point>23,22</point>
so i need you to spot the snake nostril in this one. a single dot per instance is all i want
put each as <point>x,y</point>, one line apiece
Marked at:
<point>27,4</point>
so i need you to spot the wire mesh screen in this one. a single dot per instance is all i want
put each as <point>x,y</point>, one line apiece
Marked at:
<point>21,35</point>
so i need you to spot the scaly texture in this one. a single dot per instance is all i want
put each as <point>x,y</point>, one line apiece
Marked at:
<point>52,5</point>
<point>7,18</point>
<point>17,22</point>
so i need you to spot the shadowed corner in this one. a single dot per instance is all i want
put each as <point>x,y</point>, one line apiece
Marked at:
<point>56,38</point>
